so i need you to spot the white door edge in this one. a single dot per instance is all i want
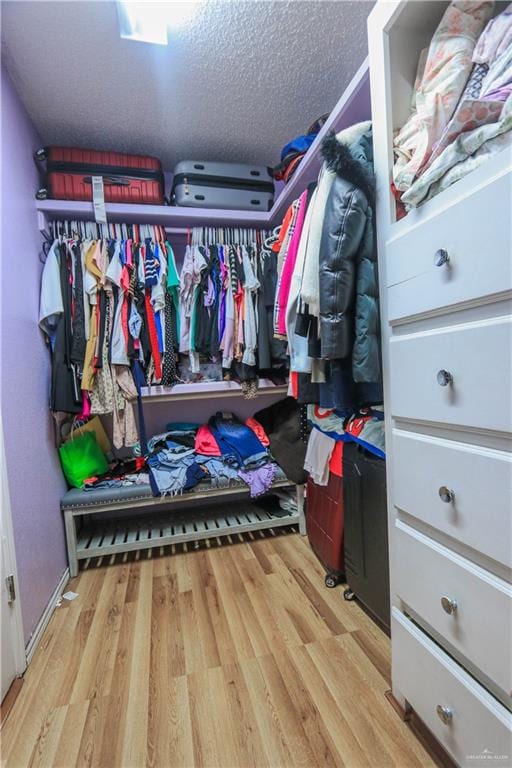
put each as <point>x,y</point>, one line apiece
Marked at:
<point>15,625</point>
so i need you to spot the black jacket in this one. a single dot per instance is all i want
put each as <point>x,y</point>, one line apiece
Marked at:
<point>349,306</point>
<point>281,422</point>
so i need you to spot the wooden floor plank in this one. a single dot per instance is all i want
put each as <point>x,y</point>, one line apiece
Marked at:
<point>227,657</point>
<point>68,747</point>
<point>135,737</point>
<point>349,691</point>
<point>249,744</point>
<point>266,716</point>
<point>36,701</point>
<point>229,589</point>
<point>226,747</point>
<point>116,719</point>
<point>45,748</point>
<point>93,678</point>
<point>299,748</point>
<point>201,576</point>
<point>89,751</point>
<point>204,721</point>
<point>350,752</point>
<point>249,616</point>
<point>307,713</point>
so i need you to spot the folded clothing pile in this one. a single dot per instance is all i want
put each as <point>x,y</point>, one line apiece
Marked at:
<point>367,429</point>
<point>120,473</point>
<point>293,152</point>
<point>331,429</point>
<point>461,111</point>
<point>223,452</point>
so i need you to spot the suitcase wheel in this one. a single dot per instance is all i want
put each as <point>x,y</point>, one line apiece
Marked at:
<point>42,194</point>
<point>40,155</point>
<point>331,581</point>
<point>348,594</point>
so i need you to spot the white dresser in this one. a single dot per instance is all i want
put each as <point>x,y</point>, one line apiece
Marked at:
<point>446,299</point>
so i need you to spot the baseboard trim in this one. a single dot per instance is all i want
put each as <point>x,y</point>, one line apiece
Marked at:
<point>45,618</point>
<point>10,699</point>
<point>436,751</point>
<point>403,714</point>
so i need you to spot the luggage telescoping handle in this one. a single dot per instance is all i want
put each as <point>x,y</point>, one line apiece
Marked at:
<point>118,181</point>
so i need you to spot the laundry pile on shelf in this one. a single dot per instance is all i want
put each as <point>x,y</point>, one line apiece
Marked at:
<point>461,112</point>
<point>330,430</point>
<point>225,452</point>
<point>295,150</point>
<point>126,472</point>
<point>327,297</point>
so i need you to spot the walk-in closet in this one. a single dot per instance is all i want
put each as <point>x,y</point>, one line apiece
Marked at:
<point>256,383</point>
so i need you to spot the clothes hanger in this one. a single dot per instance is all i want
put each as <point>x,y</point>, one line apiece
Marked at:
<point>48,241</point>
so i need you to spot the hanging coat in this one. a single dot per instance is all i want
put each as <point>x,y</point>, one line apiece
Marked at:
<point>349,304</point>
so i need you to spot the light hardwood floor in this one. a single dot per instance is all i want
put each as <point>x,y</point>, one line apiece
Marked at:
<point>225,657</point>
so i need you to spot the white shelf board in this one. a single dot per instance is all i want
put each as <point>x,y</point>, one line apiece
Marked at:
<point>164,215</point>
<point>203,390</point>
<point>110,538</point>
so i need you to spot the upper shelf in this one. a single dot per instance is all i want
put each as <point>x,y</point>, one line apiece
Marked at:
<point>164,215</point>
<point>353,106</point>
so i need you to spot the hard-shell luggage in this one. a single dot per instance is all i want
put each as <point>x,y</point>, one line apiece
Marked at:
<point>126,178</point>
<point>231,186</point>
<point>366,531</point>
<point>325,526</point>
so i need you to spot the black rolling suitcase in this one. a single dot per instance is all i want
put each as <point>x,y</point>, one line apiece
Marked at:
<point>366,531</point>
<point>231,186</point>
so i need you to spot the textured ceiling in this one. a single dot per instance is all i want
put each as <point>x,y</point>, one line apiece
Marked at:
<point>235,84</point>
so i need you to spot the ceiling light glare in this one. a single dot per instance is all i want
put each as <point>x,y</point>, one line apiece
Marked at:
<point>149,22</point>
<point>179,13</point>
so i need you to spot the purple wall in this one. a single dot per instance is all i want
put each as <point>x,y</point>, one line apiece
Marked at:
<point>35,479</point>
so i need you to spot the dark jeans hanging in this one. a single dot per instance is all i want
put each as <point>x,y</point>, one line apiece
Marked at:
<point>65,392</point>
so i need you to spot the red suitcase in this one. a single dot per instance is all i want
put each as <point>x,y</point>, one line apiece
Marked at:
<point>325,522</point>
<point>126,178</point>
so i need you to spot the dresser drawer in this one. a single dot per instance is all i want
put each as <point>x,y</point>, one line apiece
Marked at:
<point>479,731</point>
<point>478,479</point>
<point>463,603</point>
<point>475,233</point>
<point>478,358</point>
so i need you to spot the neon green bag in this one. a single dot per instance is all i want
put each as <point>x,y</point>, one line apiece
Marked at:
<point>81,457</point>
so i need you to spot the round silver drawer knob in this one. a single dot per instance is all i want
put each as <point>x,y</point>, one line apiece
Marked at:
<point>444,378</point>
<point>449,605</point>
<point>441,257</point>
<point>445,714</point>
<point>446,495</point>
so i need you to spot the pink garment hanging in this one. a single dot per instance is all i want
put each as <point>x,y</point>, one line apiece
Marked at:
<point>289,264</point>
<point>86,405</point>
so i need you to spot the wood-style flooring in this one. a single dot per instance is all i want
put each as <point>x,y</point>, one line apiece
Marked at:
<point>225,657</point>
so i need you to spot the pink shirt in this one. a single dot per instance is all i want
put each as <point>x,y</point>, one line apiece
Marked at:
<point>289,264</point>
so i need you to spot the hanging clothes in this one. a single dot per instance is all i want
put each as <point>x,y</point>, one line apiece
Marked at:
<point>114,306</point>
<point>102,307</point>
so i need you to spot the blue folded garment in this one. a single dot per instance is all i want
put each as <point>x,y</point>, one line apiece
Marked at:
<point>237,440</point>
<point>184,427</point>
